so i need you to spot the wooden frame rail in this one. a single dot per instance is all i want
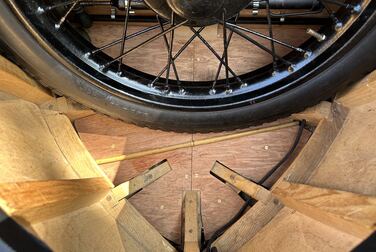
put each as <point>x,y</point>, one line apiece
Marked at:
<point>35,201</point>
<point>236,180</point>
<point>129,188</point>
<point>192,223</point>
<point>349,212</point>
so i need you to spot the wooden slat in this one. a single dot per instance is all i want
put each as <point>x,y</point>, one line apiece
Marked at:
<point>71,109</point>
<point>135,229</point>
<point>134,185</point>
<point>362,93</point>
<point>28,150</point>
<point>348,212</point>
<point>291,231</point>
<point>35,201</point>
<point>315,150</point>
<point>315,114</point>
<point>192,223</point>
<point>243,184</point>
<point>15,82</point>
<point>248,226</point>
<point>71,146</point>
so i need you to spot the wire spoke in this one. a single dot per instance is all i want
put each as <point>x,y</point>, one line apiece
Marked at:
<point>241,34</point>
<point>59,5</point>
<point>270,26</point>
<point>62,20</point>
<point>331,14</point>
<point>220,64</point>
<point>266,37</point>
<point>215,54</point>
<point>125,30</point>
<point>146,42</point>
<point>133,35</point>
<point>168,49</point>
<point>182,49</point>
<point>81,2</point>
<point>225,48</point>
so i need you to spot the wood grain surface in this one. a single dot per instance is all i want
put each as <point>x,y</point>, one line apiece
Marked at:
<point>251,156</point>
<point>161,202</point>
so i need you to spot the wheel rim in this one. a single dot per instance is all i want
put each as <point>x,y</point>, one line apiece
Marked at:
<point>249,88</point>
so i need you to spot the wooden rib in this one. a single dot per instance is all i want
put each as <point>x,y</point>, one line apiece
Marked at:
<point>315,150</point>
<point>71,146</point>
<point>71,109</point>
<point>315,114</point>
<point>34,201</point>
<point>243,184</point>
<point>349,212</point>
<point>134,185</point>
<point>248,226</point>
<point>362,93</point>
<point>192,221</point>
<point>15,82</point>
<point>195,143</point>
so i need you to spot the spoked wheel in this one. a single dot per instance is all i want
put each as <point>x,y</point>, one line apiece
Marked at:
<point>43,38</point>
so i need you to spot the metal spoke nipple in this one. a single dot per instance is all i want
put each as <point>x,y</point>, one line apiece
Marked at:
<point>320,37</point>
<point>182,91</point>
<point>228,91</point>
<point>212,91</point>
<point>356,8</point>
<point>291,68</point>
<point>307,54</point>
<point>40,10</point>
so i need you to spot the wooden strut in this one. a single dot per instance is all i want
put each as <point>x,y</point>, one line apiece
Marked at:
<point>195,143</point>
<point>129,188</point>
<point>192,223</point>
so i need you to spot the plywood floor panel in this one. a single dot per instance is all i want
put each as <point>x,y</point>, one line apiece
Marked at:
<point>160,202</point>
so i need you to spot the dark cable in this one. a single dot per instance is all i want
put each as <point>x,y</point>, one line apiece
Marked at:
<point>302,125</point>
<point>249,201</point>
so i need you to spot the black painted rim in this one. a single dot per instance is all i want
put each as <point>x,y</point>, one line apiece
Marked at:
<point>262,83</point>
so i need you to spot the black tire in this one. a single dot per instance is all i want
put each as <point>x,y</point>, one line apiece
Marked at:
<point>350,63</point>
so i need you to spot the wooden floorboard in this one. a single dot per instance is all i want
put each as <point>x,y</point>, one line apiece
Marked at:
<point>161,202</point>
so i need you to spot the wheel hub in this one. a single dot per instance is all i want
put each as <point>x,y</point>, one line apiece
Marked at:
<point>198,12</point>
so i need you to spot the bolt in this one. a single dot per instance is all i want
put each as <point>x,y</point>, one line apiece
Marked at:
<point>307,54</point>
<point>357,8</point>
<point>320,37</point>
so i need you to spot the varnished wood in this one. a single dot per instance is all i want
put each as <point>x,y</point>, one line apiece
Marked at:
<point>16,82</point>
<point>35,201</point>
<point>28,149</point>
<point>192,221</point>
<point>71,109</point>
<point>292,231</point>
<point>351,213</point>
<point>71,146</point>
<point>243,184</point>
<point>193,143</point>
<point>255,155</point>
<point>315,114</point>
<point>313,153</point>
<point>248,226</point>
<point>134,185</point>
<point>362,93</point>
